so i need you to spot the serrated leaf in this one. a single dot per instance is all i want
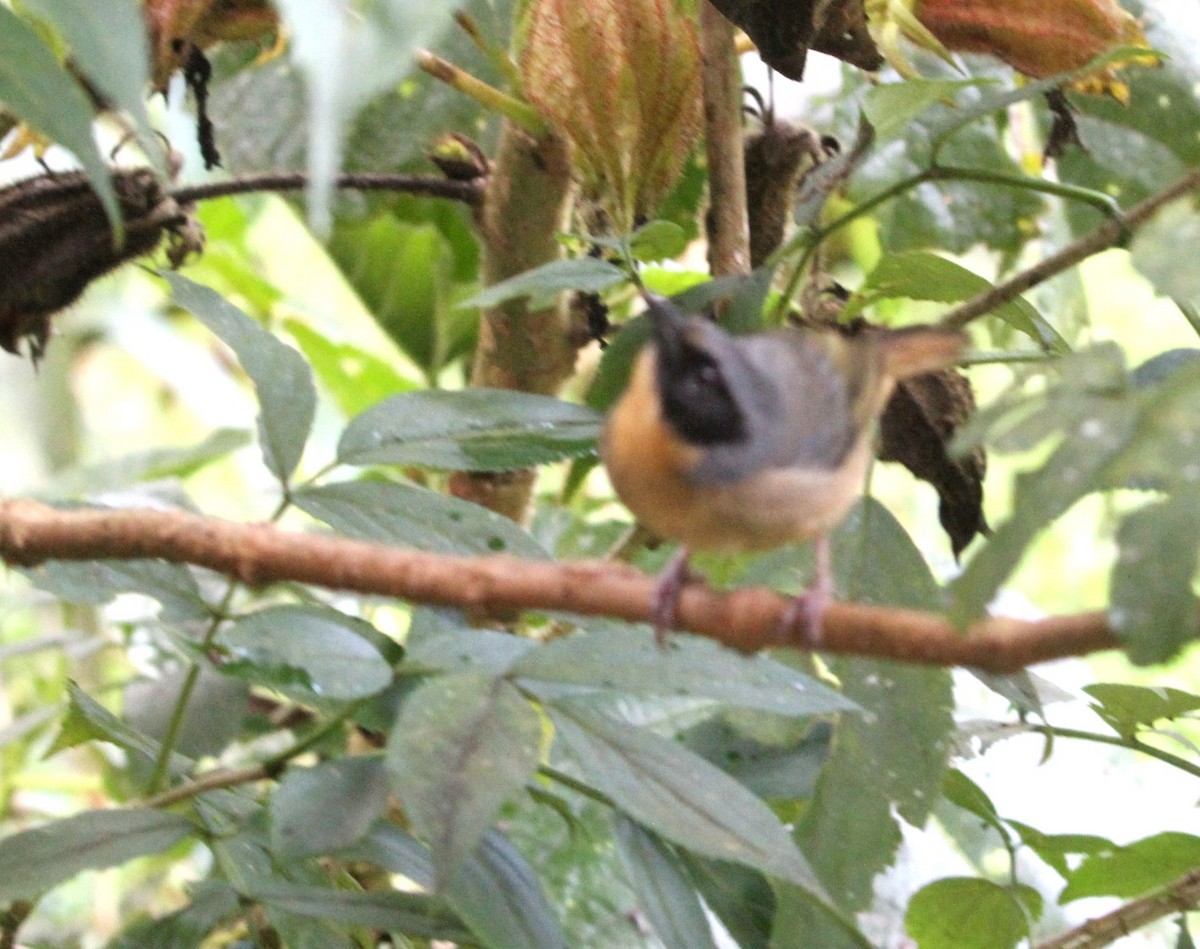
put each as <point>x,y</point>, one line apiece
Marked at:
<point>679,795</point>
<point>414,914</point>
<point>88,720</point>
<point>462,746</point>
<point>1152,608</point>
<point>281,377</point>
<point>1128,708</point>
<point>408,516</point>
<point>318,649</point>
<point>35,860</point>
<point>692,668</point>
<point>327,807</point>
<point>108,44</point>
<point>543,284</point>
<point>496,893</point>
<point>802,922</point>
<point>664,893</point>
<point>99,581</point>
<point>966,913</point>
<point>919,275</point>
<point>36,87</point>
<point>1134,869</point>
<point>348,53</point>
<point>469,430</point>
<point>1054,849</point>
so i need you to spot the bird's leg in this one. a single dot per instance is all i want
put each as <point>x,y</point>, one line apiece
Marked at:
<point>665,602</point>
<point>805,615</point>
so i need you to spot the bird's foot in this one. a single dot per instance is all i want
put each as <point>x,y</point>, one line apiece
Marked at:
<point>802,623</point>
<point>664,605</point>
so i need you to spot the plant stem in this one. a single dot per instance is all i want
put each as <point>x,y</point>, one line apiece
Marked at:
<point>1131,744</point>
<point>561,777</point>
<point>469,192</point>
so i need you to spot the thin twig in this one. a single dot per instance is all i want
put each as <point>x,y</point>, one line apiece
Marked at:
<point>744,619</point>
<point>210,781</point>
<point>1109,234</point>
<point>1177,897</point>
<point>469,192</point>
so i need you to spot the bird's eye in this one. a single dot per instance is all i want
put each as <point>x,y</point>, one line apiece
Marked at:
<point>708,374</point>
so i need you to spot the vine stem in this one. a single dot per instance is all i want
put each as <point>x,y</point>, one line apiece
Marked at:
<point>1131,744</point>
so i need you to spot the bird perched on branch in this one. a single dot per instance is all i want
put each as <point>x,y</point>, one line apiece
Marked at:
<point>749,442</point>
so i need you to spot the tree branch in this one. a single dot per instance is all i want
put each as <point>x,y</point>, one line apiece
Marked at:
<point>1109,234</point>
<point>744,619</point>
<point>729,232</point>
<point>469,192</point>
<point>1177,897</point>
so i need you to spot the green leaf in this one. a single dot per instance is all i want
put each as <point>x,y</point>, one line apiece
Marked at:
<point>691,668</point>
<point>616,363</point>
<point>965,793</point>
<point>658,240</point>
<point>892,106</point>
<point>966,913</point>
<point>1128,708</point>
<point>281,377</point>
<point>1054,849</point>
<point>480,651</point>
<point>348,53</point>
<point>409,516</point>
<point>320,650</point>
<point>403,272</point>
<point>210,903</point>
<point>35,860</point>
<point>543,284</point>
<point>355,378</point>
<point>1151,604</point>
<point>216,709</point>
<point>1155,251</point>
<point>894,754</point>
<point>783,768</point>
<point>329,806</point>
<point>413,914</point>
<point>108,44</point>
<point>462,746</point>
<point>678,794</point>
<point>88,720</point>
<point>496,893</point>
<point>1135,869</point>
<point>664,893</point>
<point>469,430</point>
<point>99,581</point>
<point>36,87</point>
<point>742,898</point>
<point>1076,468</point>
<point>801,923</point>
<point>153,465</point>
<point>393,849</point>
<point>918,275</point>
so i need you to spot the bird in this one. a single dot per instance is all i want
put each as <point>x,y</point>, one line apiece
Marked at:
<point>749,442</point>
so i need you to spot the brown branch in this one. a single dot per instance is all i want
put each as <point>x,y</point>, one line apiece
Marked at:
<point>729,233</point>
<point>744,619</point>
<point>1177,897</point>
<point>469,192</point>
<point>213,780</point>
<point>1109,234</point>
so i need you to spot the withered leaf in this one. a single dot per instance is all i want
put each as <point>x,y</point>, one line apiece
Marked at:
<point>917,426</point>
<point>785,30</point>
<point>55,239</point>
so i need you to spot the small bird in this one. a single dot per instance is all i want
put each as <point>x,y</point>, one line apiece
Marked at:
<point>749,442</point>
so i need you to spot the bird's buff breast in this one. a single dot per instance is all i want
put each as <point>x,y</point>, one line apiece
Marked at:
<point>649,471</point>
